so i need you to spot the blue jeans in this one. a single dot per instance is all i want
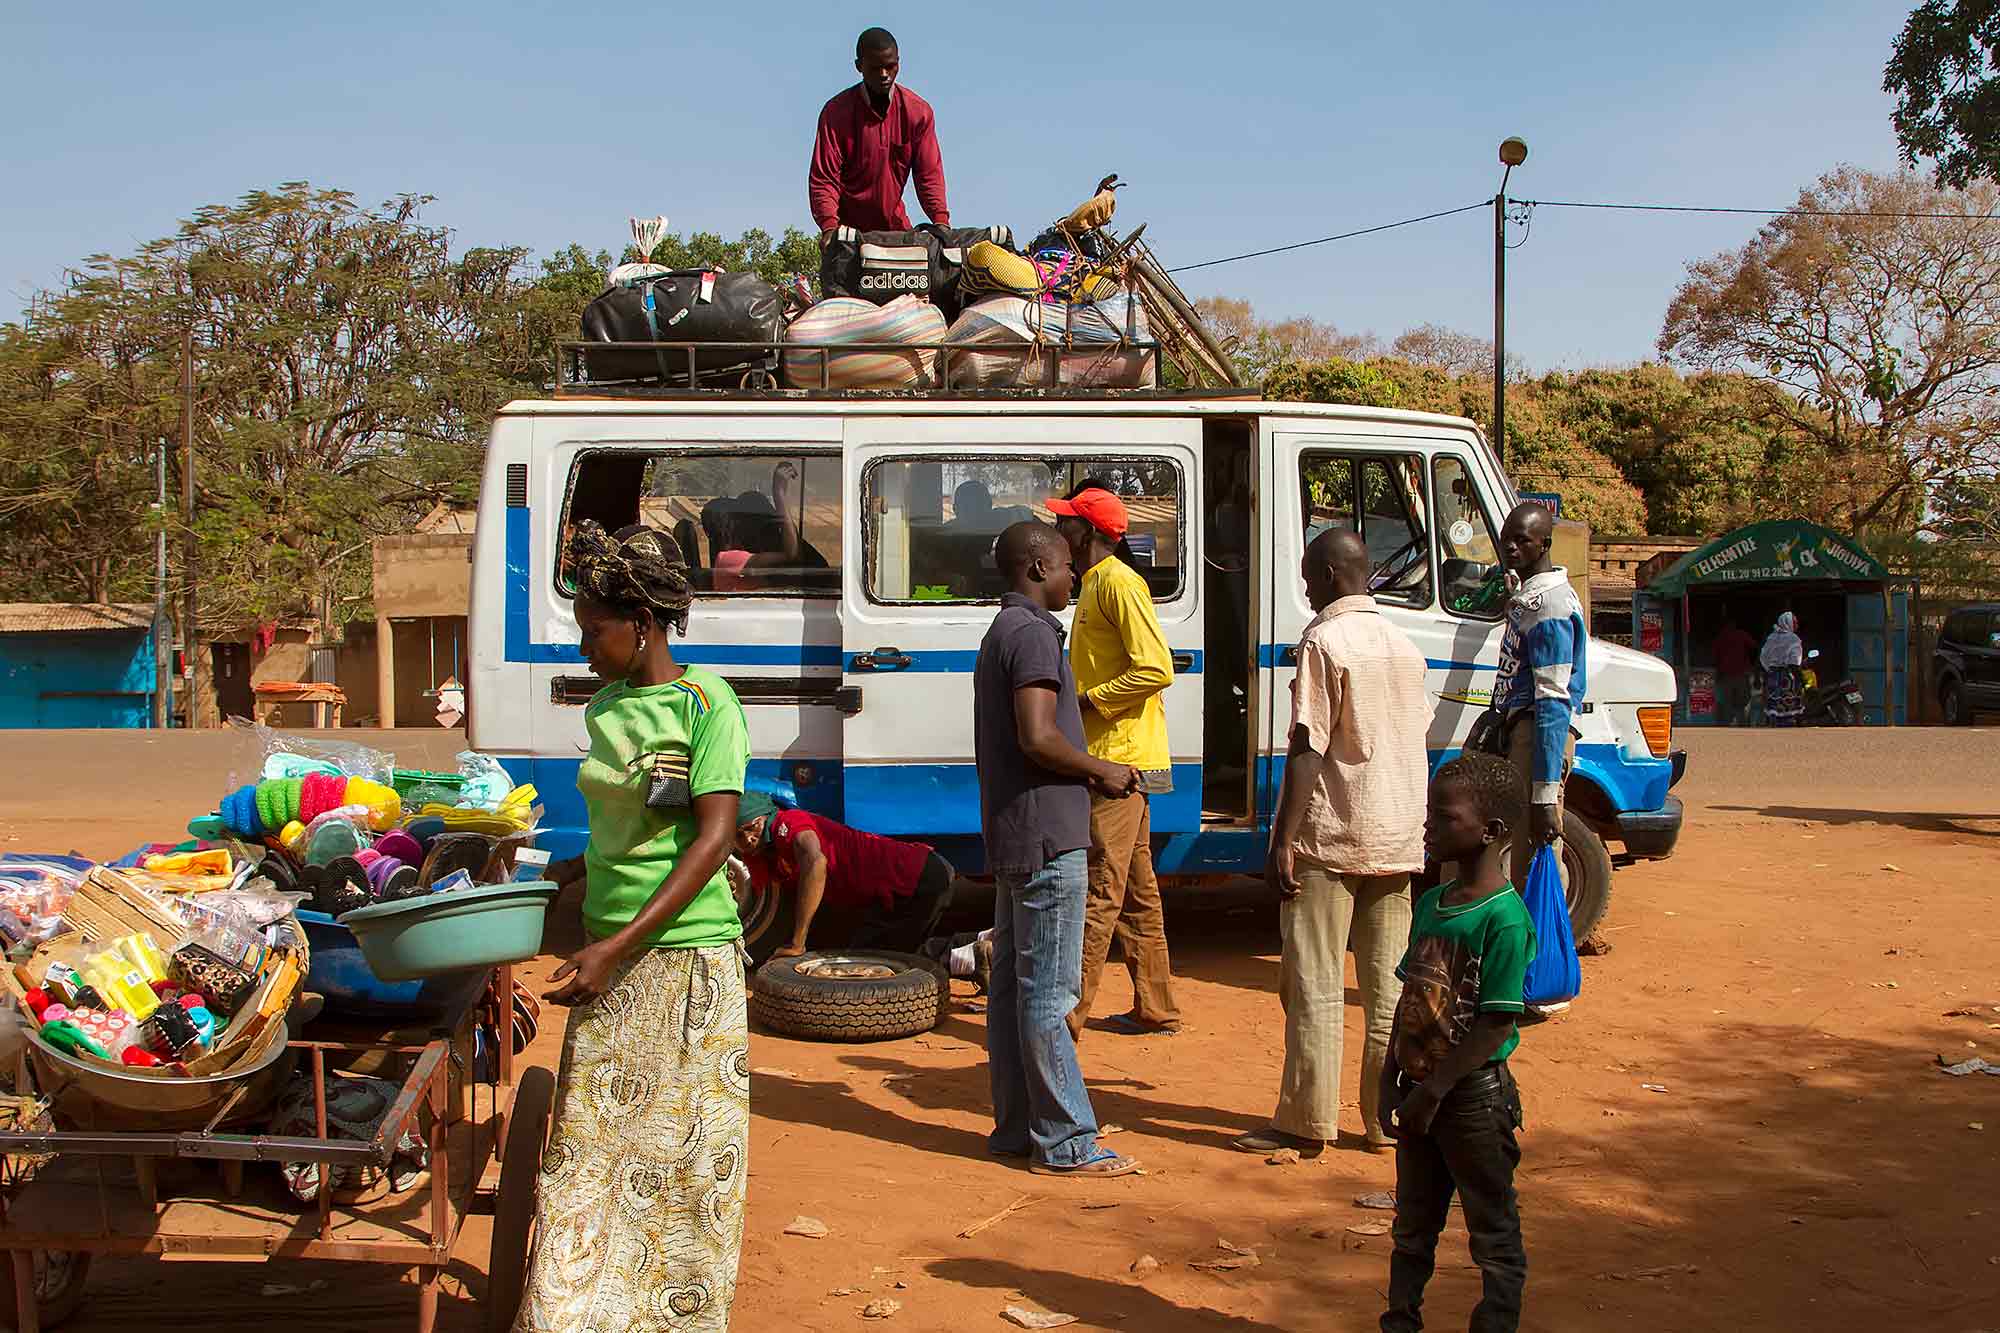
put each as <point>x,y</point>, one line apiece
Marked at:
<point>1040,1105</point>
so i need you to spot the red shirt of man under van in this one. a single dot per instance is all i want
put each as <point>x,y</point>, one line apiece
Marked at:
<point>863,158</point>
<point>862,869</point>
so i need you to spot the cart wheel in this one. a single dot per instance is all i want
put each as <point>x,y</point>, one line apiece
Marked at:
<point>59,1276</point>
<point>514,1209</point>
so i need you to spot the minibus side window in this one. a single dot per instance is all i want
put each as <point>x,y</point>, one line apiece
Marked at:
<point>1471,581</point>
<point>1381,496</point>
<point>932,521</point>
<point>750,521</point>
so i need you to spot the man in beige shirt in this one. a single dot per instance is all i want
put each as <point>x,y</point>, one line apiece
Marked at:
<point>1349,831</point>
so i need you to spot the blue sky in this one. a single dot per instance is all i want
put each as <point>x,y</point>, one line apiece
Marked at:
<point>1278,123</point>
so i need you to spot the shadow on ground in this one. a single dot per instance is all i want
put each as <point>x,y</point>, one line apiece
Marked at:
<point>1922,821</point>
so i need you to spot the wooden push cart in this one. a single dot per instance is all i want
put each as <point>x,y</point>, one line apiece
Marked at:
<point>89,1193</point>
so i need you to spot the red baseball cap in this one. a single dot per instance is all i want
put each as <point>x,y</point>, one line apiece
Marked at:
<point>1099,508</point>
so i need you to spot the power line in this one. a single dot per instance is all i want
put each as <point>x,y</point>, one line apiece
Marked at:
<point>1323,240</point>
<point>1757,212</point>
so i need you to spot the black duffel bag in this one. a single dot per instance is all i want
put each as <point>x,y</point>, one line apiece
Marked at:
<point>880,266</point>
<point>684,306</point>
<point>953,242</point>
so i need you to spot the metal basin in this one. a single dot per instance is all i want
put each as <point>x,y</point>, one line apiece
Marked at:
<point>89,1094</point>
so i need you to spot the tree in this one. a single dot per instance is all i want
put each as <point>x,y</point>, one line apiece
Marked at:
<point>81,412</point>
<point>1448,350</point>
<point>1542,449</point>
<point>1877,337</point>
<point>1260,346</point>
<point>1943,72</point>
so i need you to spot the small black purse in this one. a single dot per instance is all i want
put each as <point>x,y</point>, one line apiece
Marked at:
<point>667,781</point>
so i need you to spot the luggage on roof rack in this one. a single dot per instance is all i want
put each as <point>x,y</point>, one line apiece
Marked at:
<point>685,306</point>
<point>880,266</point>
<point>1006,342</point>
<point>813,358</point>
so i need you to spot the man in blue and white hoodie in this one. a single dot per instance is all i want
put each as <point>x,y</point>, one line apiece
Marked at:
<point>1541,680</point>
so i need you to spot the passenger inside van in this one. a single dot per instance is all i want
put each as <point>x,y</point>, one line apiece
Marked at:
<point>751,533</point>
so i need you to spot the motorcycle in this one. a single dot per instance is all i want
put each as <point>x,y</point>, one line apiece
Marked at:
<point>1835,705</point>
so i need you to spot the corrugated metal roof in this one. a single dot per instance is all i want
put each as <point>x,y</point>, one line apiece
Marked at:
<point>72,617</point>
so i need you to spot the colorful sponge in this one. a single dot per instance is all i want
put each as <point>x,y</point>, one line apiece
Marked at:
<point>278,802</point>
<point>385,808</point>
<point>320,793</point>
<point>239,813</point>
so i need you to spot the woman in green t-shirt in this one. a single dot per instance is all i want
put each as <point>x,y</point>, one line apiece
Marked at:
<point>640,1198</point>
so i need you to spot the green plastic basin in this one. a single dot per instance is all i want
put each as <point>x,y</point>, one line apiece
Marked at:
<point>452,932</point>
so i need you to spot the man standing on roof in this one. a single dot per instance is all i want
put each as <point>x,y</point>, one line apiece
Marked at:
<point>870,139</point>
<point>1122,668</point>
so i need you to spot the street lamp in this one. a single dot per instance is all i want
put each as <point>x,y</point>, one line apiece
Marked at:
<point>1513,152</point>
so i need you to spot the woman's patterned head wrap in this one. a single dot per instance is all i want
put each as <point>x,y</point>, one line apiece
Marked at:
<point>638,568</point>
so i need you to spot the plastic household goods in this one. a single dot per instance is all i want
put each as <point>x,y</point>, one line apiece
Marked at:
<point>114,977</point>
<point>144,954</point>
<point>224,985</point>
<point>456,880</point>
<point>113,1030</point>
<point>448,932</point>
<point>418,787</point>
<point>341,974</point>
<point>331,837</point>
<point>67,1036</point>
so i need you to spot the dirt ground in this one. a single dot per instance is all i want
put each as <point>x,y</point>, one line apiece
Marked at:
<point>1789,979</point>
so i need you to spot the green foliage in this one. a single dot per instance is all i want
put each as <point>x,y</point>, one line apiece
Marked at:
<point>754,250</point>
<point>346,370</point>
<point>1945,74</point>
<point>1868,317</point>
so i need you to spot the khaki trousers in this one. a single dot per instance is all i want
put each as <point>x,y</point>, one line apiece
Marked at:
<point>1331,911</point>
<point>1124,904</point>
<point>1521,754</point>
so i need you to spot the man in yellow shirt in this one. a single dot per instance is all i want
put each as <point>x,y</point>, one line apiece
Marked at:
<point>1122,667</point>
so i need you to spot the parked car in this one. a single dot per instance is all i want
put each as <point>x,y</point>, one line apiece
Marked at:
<point>1966,662</point>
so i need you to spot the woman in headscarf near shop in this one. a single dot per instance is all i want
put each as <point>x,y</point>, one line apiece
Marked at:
<point>640,1197</point>
<point>1783,659</point>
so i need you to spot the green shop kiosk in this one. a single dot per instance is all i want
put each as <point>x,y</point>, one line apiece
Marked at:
<point>1846,603</point>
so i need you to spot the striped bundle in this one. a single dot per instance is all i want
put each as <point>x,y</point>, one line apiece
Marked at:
<point>848,319</point>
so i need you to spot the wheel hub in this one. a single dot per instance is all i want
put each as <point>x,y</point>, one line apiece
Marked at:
<point>835,967</point>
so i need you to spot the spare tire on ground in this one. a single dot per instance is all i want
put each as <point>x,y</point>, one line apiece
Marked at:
<point>854,995</point>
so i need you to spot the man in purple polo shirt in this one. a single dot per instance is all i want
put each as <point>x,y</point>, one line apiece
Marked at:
<point>1035,780</point>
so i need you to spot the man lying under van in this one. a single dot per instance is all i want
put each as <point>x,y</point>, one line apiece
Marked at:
<point>900,888</point>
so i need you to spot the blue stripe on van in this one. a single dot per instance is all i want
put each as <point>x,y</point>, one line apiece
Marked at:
<point>923,799</point>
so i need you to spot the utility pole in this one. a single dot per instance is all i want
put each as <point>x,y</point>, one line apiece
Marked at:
<point>1513,152</point>
<point>163,675</point>
<point>190,635</point>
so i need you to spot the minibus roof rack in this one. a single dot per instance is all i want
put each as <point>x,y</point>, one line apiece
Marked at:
<point>710,370</point>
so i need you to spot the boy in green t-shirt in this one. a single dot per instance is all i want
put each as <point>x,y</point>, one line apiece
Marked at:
<point>1447,1094</point>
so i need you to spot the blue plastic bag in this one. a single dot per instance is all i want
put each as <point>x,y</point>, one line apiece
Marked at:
<point>1553,973</point>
